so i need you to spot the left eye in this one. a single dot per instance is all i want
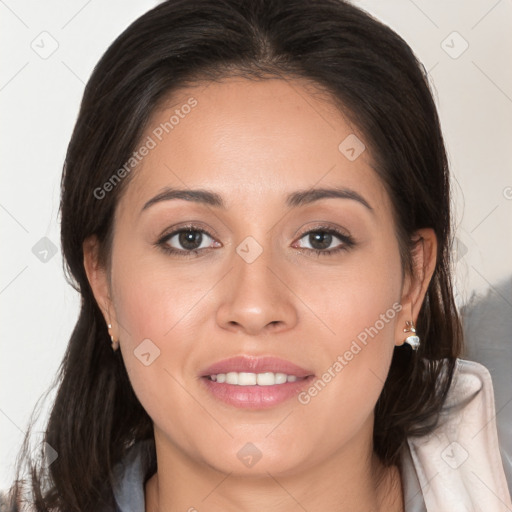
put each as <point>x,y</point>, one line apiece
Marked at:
<point>321,240</point>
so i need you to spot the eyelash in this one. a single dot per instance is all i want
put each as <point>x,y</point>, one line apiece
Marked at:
<point>347,241</point>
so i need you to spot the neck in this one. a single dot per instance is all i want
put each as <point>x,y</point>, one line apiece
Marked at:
<point>348,481</point>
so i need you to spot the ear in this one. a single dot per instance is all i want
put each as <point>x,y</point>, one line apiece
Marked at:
<point>99,282</point>
<point>424,258</point>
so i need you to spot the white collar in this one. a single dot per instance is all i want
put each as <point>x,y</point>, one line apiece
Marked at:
<point>458,465</point>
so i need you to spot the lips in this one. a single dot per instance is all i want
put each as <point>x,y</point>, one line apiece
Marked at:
<point>255,382</point>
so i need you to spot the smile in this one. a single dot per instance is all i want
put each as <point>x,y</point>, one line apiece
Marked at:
<point>254,379</point>
<point>250,382</point>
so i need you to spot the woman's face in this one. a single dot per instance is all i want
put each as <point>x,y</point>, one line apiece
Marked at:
<point>310,316</point>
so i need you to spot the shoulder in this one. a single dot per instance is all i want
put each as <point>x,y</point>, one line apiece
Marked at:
<point>458,464</point>
<point>487,322</point>
<point>130,476</point>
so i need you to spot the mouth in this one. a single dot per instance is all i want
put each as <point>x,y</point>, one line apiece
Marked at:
<point>255,382</point>
<point>254,379</point>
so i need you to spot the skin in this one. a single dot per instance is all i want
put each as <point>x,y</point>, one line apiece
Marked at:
<point>289,302</point>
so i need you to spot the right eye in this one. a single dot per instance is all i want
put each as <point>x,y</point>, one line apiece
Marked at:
<point>186,241</point>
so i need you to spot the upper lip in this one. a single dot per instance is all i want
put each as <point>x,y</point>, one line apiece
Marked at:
<point>256,365</point>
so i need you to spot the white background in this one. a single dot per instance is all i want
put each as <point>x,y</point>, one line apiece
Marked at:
<point>39,101</point>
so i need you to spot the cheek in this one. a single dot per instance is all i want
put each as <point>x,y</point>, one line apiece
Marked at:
<point>360,305</point>
<point>161,309</point>
<point>153,299</point>
<point>157,314</point>
<point>358,299</point>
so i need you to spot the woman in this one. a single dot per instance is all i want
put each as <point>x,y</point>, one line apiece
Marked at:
<point>256,213</point>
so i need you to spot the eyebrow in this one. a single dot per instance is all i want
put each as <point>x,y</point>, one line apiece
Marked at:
<point>293,200</point>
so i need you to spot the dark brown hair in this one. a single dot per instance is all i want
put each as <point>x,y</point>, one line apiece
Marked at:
<point>372,75</point>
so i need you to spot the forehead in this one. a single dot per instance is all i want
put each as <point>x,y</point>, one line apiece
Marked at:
<point>252,141</point>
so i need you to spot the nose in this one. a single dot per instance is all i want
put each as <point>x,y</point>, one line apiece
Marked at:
<point>256,297</point>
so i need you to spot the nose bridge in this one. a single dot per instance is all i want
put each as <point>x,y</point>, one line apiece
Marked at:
<point>253,279</point>
<point>256,298</point>
<point>252,261</point>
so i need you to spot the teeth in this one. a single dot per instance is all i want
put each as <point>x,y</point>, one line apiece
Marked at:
<point>246,379</point>
<point>253,379</point>
<point>231,378</point>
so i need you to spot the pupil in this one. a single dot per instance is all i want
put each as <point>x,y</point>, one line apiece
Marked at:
<point>190,239</point>
<point>320,240</point>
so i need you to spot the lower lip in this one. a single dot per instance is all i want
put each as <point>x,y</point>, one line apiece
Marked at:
<point>255,397</point>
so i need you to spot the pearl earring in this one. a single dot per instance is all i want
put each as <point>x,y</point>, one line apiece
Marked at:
<point>115,343</point>
<point>413,339</point>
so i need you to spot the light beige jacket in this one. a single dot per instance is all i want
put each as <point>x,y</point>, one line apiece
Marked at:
<point>458,467</point>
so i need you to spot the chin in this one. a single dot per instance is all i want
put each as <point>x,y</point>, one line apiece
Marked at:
<point>256,458</point>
